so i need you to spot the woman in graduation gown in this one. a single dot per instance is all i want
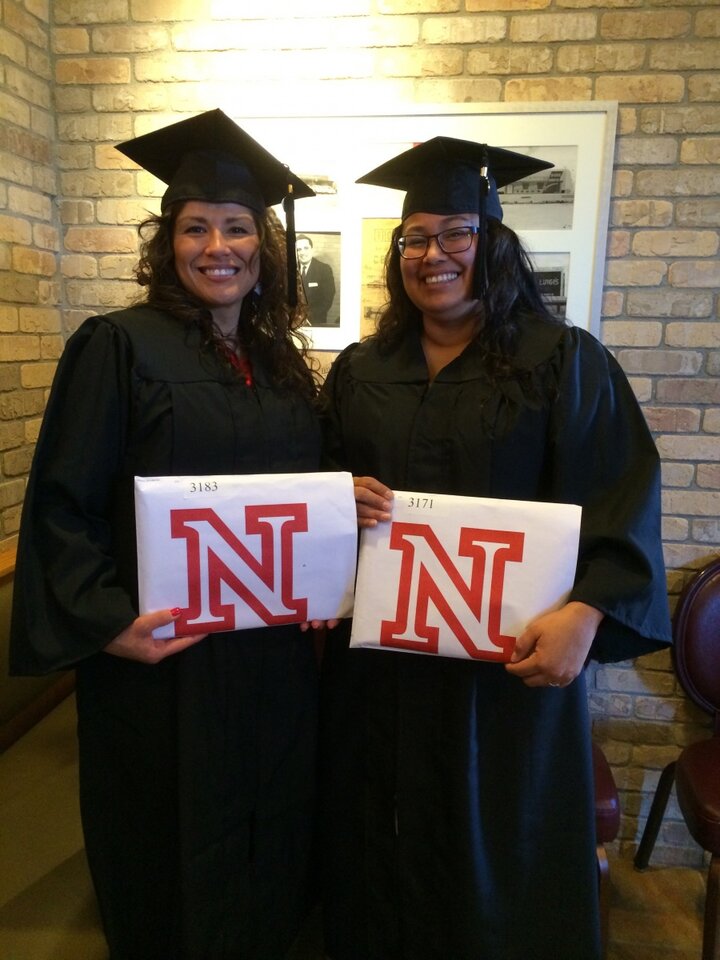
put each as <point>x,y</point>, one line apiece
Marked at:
<point>458,800</point>
<point>197,754</point>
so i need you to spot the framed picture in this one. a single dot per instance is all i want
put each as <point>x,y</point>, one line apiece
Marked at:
<point>561,214</point>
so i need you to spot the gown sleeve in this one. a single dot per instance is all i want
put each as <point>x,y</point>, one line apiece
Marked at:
<point>604,458</point>
<point>68,603</point>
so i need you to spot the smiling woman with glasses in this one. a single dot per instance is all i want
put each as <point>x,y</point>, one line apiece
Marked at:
<point>455,240</point>
<point>458,809</point>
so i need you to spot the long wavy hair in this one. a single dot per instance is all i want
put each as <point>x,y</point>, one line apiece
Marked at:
<point>266,324</point>
<point>511,298</point>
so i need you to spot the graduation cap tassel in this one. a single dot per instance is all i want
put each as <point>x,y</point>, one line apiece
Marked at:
<point>480,278</point>
<point>289,208</point>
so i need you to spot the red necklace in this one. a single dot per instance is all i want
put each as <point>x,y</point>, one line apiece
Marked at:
<point>241,364</point>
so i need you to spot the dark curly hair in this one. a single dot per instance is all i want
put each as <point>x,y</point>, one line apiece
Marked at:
<point>512,296</point>
<point>266,324</point>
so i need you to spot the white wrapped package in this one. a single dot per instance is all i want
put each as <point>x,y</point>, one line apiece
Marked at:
<point>235,552</point>
<point>462,576</point>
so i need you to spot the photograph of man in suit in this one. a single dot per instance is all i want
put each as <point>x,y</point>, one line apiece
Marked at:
<point>317,279</point>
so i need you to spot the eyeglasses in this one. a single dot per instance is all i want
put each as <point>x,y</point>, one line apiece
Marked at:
<point>454,240</point>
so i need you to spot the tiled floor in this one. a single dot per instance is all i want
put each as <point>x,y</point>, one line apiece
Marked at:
<point>47,910</point>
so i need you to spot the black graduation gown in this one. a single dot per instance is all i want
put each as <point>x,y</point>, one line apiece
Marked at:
<point>197,776</point>
<point>457,801</point>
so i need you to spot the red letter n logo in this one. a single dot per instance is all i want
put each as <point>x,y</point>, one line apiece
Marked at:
<point>432,590</point>
<point>222,571</point>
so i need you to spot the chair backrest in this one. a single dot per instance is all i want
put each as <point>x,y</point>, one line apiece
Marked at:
<point>696,630</point>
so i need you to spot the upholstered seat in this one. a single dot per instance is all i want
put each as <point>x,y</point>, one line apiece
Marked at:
<point>696,772</point>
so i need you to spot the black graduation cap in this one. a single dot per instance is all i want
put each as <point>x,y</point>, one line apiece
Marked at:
<point>209,157</point>
<point>446,176</point>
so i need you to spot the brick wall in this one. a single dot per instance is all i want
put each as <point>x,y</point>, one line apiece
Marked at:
<point>81,75</point>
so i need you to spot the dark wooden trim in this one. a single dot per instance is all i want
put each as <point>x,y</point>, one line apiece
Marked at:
<point>36,710</point>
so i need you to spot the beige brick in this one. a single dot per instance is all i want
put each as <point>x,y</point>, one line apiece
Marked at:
<point>464,30</point>
<point>675,243</point>
<point>16,288</point>
<point>672,419</point>
<point>643,273</point>
<point>647,151</point>
<point>705,87</point>
<point>16,169</point>
<point>695,273</point>
<point>642,387</point>
<point>695,390</point>
<point>20,22</point>
<point>95,127</point>
<point>553,27</point>
<point>21,403</point>
<point>435,61</point>
<point>618,243</point>
<point>68,40</point>
<point>689,448</point>
<point>549,89</point>
<point>698,213</point>
<point>678,555</point>
<point>51,346</point>
<point>600,57</point>
<point>93,70</point>
<point>668,362</point>
<point>12,47</point>
<point>35,375</point>
<point>72,99</point>
<point>19,347</point>
<point>705,150</point>
<point>684,56</point>
<point>32,429</point>
<point>632,333</point>
<point>40,320</point>
<point>509,60</point>
<point>9,322</point>
<point>131,39</point>
<point>89,11</point>
<point>46,237</point>
<point>688,334</point>
<point>100,295</point>
<point>457,90</point>
<point>694,180</point>
<point>79,266</point>
<point>98,183</point>
<point>101,240</point>
<point>29,260</point>
<point>622,183</point>
<point>74,156</point>
<point>193,10</point>
<point>32,89</point>
<point>39,63</point>
<point>77,211</point>
<point>117,268</point>
<point>133,98</point>
<point>646,88</point>
<point>669,303</point>
<point>644,24</point>
<point>708,474</point>
<point>706,531</point>
<point>613,304</point>
<point>30,203</point>
<point>12,492</point>
<point>711,421</point>
<point>677,474</point>
<point>14,229</point>
<point>680,120</point>
<point>512,6</point>
<point>642,213</point>
<point>14,110</point>
<point>16,463</point>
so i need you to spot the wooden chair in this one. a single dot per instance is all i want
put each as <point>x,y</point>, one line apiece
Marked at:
<point>696,772</point>
<point>607,825</point>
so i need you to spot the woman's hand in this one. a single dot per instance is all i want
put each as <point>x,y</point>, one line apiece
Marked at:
<point>136,642</point>
<point>373,501</point>
<point>552,650</point>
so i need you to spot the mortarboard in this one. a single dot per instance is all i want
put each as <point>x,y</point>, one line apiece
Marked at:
<point>446,176</point>
<point>209,157</point>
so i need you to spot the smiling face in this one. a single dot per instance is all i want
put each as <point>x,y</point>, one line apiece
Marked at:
<point>217,256</point>
<point>439,283</point>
